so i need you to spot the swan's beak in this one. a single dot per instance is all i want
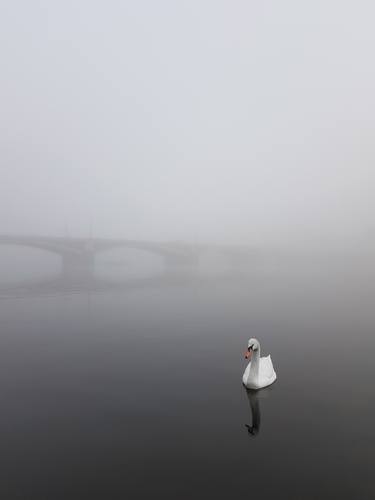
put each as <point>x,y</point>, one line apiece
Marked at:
<point>248,354</point>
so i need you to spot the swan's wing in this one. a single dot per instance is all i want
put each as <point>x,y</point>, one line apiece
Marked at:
<point>266,367</point>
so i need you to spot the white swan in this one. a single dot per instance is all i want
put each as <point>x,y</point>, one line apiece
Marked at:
<point>259,372</point>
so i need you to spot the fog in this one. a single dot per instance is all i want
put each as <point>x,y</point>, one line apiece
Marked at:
<point>176,177</point>
<point>242,121</point>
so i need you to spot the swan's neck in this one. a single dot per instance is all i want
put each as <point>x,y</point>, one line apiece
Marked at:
<point>254,366</point>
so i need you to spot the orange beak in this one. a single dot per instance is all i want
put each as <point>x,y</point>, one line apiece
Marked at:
<point>248,354</point>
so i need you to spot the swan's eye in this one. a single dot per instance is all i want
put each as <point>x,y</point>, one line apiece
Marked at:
<point>249,348</point>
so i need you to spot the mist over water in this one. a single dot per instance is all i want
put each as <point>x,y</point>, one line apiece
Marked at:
<point>175,179</point>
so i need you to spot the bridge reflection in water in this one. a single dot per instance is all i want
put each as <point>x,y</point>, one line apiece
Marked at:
<point>181,263</point>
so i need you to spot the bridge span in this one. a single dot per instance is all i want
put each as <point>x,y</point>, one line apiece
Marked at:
<point>78,254</point>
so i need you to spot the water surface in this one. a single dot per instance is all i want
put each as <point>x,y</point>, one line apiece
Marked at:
<point>136,393</point>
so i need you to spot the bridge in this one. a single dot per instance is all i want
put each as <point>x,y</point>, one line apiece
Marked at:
<point>78,254</point>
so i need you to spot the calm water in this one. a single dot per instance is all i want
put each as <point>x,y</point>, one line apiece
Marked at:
<point>137,393</point>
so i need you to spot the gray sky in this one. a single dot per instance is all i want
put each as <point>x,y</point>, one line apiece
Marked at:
<point>246,121</point>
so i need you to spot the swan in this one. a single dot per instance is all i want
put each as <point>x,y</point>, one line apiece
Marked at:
<point>259,372</point>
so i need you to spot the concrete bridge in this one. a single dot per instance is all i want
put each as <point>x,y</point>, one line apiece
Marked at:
<point>78,254</point>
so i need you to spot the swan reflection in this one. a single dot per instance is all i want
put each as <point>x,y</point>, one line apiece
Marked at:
<point>254,397</point>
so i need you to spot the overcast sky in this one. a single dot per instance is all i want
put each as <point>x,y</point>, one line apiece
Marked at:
<point>236,120</point>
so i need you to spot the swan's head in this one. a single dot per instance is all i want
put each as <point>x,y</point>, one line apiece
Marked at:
<point>252,345</point>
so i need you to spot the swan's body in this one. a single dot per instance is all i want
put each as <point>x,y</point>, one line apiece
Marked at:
<point>259,372</point>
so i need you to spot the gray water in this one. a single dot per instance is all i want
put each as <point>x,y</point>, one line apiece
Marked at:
<point>136,392</point>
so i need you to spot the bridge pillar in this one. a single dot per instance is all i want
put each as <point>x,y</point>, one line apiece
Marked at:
<point>181,264</point>
<point>78,268</point>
